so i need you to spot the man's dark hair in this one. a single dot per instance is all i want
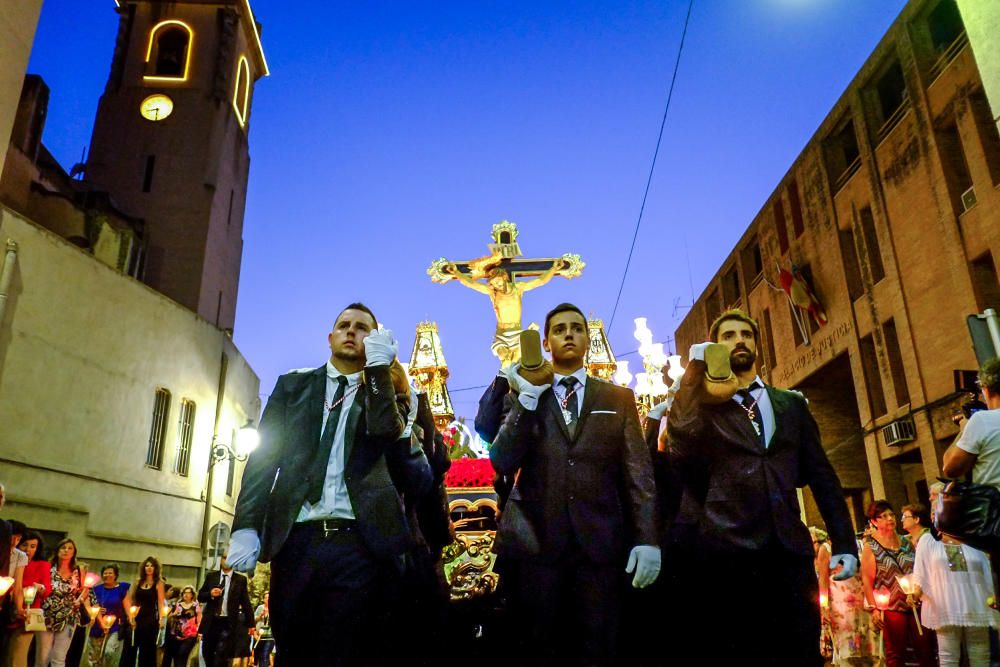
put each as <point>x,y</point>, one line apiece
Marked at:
<point>563,308</point>
<point>34,535</point>
<point>111,566</point>
<point>733,314</point>
<point>876,508</point>
<point>919,512</point>
<point>989,375</point>
<point>359,306</point>
<point>16,528</point>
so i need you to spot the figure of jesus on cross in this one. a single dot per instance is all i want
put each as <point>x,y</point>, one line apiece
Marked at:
<point>505,279</point>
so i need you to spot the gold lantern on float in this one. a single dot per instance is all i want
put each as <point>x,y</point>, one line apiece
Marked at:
<point>429,371</point>
<point>600,361</point>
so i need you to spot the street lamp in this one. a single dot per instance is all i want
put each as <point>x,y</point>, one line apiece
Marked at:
<point>246,440</point>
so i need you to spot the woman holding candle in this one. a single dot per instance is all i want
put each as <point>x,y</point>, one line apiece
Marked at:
<point>953,581</point>
<point>36,583</point>
<point>182,629</point>
<point>149,596</point>
<point>850,626</point>
<point>61,607</point>
<point>885,557</point>
<point>105,646</point>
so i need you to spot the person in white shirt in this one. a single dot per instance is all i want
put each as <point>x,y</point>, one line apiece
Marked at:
<point>977,449</point>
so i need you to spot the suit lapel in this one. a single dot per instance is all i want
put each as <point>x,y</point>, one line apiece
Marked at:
<point>778,407</point>
<point>353,417</point>
<point>738,417</point>
<point>553,402</point>
<point>316,389</point>
<point>590,392</point>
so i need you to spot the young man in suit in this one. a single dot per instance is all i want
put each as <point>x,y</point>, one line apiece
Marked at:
<point>741,557</point>
<point>226,617</point>
<point>582,512</point>
<point>319,501</point>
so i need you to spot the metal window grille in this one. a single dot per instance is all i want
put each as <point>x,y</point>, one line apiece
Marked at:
<point>158,430</point>
<point>185,433</point>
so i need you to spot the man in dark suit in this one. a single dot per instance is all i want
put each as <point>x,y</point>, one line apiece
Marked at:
<point>584,495</point>
<point>741,558</point>
<point>319,501</point>
<point>226,617</point>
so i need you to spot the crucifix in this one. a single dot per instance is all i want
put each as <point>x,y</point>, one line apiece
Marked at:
<point>504,279</point>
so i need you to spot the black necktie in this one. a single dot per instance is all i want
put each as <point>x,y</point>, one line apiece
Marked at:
<point>570,403</point>
<point>748,401</point>
<point>326,444</point>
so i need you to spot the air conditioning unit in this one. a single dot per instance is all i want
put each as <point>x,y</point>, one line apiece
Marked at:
<point>899,432</point>
<point>968,199</point>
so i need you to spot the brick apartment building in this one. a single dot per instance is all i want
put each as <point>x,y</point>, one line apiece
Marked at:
<point>892,214</point>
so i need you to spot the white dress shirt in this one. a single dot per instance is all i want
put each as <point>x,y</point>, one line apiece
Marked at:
<point>335,502</point>
<point>764,407</point>
<point>225,579</point>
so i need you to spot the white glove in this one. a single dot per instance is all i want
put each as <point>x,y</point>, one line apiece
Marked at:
<point>645,561</point>
<point>380,348</point>
<point>657,411</point>
<point>244,547</point>
<point>850,564</point>
<point>527,393</point>
<point>412,416</point>
<point>697,352</point>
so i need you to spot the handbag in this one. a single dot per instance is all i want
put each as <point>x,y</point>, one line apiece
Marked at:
<point>970,512</point>
<point>35,621</point>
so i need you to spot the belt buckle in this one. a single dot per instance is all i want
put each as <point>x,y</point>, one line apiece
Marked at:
<point>327,531</point>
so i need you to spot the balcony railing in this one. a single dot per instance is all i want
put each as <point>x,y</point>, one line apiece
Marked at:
<point>948,55</point>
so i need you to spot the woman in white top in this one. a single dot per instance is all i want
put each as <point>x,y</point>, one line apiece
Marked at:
<point>953,582</point>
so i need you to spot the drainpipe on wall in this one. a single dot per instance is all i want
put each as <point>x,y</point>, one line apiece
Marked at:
<point>210,488</point>
<point>7,275</point>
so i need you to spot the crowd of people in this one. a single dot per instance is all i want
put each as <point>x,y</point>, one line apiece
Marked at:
<point>612,530</point>
<point>57,613</point>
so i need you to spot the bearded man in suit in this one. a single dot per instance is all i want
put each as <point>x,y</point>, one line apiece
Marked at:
<point>584,494</point>
<point>738,542</point>
<point>321,499</point>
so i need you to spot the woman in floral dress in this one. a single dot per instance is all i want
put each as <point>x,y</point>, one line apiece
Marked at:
<point>850,628</point>
<point>61,607</point>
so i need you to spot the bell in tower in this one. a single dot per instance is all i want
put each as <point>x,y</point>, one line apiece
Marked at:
<point>170,142</point>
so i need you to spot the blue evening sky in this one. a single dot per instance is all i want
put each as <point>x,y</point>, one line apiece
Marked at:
<point>393,133</point>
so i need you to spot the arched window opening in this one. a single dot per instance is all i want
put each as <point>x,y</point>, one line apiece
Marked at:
<point>241,92</point>
<point>169,53</point>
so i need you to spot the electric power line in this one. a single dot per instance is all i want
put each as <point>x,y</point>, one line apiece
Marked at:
<point>652,167</point>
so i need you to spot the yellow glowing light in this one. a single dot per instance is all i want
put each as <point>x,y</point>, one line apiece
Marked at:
<point>260,47</point>
<point>187,54</point>
<point>242,72</point>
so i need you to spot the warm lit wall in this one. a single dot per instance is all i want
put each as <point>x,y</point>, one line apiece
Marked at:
<point>17,33</point>
<point>82,351</point>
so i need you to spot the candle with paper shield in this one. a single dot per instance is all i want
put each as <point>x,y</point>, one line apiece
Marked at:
<point>909,588</point>
<point>29,595</point>
<point>881,596</point>
<point>107,622</point>
<point>824,600</point>
<point>5,584</point>
<point>91,579</point>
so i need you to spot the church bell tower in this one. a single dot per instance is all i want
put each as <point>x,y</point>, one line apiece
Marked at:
<point>170,142</point>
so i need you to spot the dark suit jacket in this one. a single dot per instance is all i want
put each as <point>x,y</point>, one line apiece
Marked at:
<point>277,475</point>
<point>739,495</point>
<point>433,517</point>
<point>489,416</point>
<point>597,485</point>
<point>668,487</point>
<point>238,609</point>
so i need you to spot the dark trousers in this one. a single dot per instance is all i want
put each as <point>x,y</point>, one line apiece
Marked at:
<point>569,610</point>
<point>325,591</point>
<point>900,631</point>
<point>224,640</point>
<point>145,645</point>
<point>756,607</point>
<point>177,651</point>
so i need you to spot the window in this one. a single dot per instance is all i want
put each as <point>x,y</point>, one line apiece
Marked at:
<point>753,263</point>
<point>989,137</point>
<point>731,286</point>
<point>796,205</point>
<point>241,91</point>
<point>956,168</point>
<point>780,226</point>
<point>713,307</point>
<point>806,272</point>
<point>896,362</point>
<point>984,282</point>
<point>158,430</point>
<point>892,96</point>
<point>147,175</point>
<point>852,267</point>
<point>770,358</point>
<point>871,244</point>
<point>796,315</point>
<point>168,55</point>
<point>945,24</point>
<point>185,433</point>
<point>842,155</point>
<point>873,379</point>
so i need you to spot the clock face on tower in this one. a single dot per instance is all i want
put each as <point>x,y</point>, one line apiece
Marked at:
<point>156,107</point>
